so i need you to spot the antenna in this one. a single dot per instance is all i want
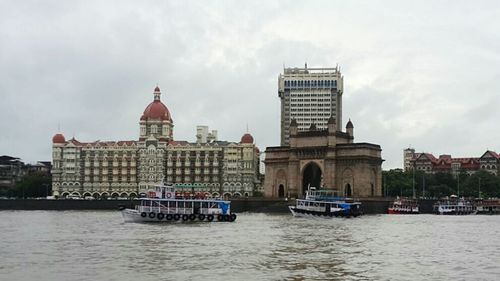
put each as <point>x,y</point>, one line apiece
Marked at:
<point>247,127</point>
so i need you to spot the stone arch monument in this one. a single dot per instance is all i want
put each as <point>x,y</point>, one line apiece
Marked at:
<point>325,158</point>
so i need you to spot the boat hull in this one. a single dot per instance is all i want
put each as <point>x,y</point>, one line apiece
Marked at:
<point>132,215</point>
<point>296,212</point>
<point>455,213</point>
<point>401,212</point>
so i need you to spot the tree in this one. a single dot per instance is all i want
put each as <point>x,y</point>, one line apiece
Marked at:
<point>34,185</point>
<point>399,183</point>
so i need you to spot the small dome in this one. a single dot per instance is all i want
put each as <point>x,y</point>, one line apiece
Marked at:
<point>246,138</point>
<point>349,124</point>
<point>58,138</point>
<point>157,89</point>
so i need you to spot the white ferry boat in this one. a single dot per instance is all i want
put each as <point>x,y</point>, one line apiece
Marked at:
<point>403,206</point>
<point>454,206</point>
<point>164,205</point>
<point>325,203</point>
<point>488,206</point>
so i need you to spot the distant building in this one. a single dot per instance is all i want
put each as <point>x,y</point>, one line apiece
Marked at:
<point>40,167</point>
<point>309,96</point>
<point>203,136</point>
<point>128,168</point>
<point>11,171</point>
<point>489,161</point>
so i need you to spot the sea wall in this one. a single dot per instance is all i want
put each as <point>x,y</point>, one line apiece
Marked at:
<point>261,205</point>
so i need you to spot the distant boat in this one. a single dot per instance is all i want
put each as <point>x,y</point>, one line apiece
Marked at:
<point>164,205</point>
<point>454,206</point>
<point>326,204</point>
<point>488,206</point>
<point>403,206</point>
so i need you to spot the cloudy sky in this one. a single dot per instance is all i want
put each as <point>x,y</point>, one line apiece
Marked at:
<point>425,74</point>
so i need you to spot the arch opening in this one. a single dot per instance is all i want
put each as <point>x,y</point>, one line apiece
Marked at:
<point>311,177</point>
<point>281,191</point>
<point>348,190</point>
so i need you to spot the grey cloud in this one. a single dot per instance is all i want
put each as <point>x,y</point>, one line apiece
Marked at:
<point>415,73</point>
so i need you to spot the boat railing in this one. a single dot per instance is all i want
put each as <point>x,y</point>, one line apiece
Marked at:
<point>178,210</point>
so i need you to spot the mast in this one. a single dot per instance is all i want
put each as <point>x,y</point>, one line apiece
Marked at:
<point>423,185</point>
<point>479,189</point>
<point>413,189</point>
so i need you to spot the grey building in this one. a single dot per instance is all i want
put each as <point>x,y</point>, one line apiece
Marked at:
<point>310,96</point>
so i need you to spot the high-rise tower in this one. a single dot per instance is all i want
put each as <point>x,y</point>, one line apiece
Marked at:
<point>310,96</point>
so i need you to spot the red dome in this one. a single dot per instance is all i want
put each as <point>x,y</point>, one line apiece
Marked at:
<point>58,138</point>
<point>246,138</point>
<point>156,110</point>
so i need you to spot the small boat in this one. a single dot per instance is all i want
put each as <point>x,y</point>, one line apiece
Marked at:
<point>326,204</point>
<point>163,204</point>
<point>454,206</point>
<point>488,206</point>
<point>403,206</point>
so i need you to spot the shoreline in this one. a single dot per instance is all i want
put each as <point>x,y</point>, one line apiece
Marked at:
<point>259,205</point>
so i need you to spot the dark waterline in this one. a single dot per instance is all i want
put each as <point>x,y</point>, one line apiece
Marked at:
<point>97,245</point>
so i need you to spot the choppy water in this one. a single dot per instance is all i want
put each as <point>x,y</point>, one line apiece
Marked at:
<point>97,245</point>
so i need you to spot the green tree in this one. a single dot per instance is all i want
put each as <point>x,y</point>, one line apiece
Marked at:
<point>399,183</point>
<point>484,182</point>
<point>34,185</point>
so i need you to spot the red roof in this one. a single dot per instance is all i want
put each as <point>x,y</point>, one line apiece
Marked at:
<point>246,138</point>
<point>156,110</point>
<point>58,138</point>
<point>178,143</point>
<point>493,153</point>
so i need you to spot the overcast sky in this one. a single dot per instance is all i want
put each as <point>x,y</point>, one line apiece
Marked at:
<point>425,74</point>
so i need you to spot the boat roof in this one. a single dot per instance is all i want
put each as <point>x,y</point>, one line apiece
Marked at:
<point>340,201</point>
<point>186,200</point>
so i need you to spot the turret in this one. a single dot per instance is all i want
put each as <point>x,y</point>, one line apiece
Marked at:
<point>332,125</point>
<point>332,128</point>
<point>293,133</point>
<point>350,129</point>
<point>293,127</point>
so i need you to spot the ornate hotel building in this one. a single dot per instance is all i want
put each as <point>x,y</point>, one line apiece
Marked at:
<point>128,168</point>
<point>310,96</point>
